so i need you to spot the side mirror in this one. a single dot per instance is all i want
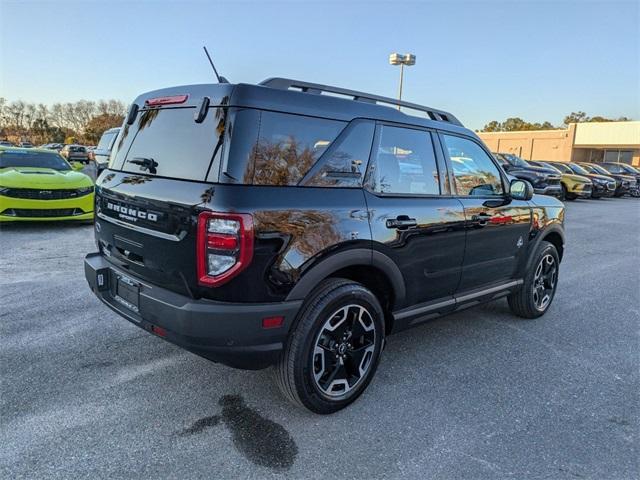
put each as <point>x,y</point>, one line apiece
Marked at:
<point>77,166</point>
<point>521,190</point>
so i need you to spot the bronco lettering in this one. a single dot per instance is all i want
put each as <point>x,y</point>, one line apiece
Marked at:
<point>132,213</point>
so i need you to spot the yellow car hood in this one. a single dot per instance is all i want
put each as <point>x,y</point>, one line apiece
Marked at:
<point>576,178</point>
<point>35,177</point>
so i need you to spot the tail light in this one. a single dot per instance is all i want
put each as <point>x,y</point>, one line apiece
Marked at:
<point>225,246</point>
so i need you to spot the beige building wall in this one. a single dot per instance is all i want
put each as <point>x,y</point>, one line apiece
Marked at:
<point>608,134</point>
<point>579,143</point>
<point>554,145</point>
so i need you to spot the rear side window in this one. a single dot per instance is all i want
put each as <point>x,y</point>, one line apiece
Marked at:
<point>171,139</point>
<point>343,164</point>
<point>403,162</point>
<point>269,148</point>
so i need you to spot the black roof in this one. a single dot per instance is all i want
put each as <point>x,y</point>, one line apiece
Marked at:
<point>304,98</point>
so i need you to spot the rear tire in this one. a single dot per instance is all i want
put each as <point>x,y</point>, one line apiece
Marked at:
<point>334,349</point>
<point>540,282</point>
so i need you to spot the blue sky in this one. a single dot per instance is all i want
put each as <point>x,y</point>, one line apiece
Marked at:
<point>482,60</point>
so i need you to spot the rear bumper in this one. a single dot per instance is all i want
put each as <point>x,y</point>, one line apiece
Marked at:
<point>228,333</point>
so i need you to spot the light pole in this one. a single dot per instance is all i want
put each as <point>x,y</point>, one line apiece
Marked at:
<point>407,59</point>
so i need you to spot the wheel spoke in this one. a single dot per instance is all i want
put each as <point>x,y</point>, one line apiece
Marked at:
<point>344,350</point>
<point>337,375</point>
<point>544,282</point>
<point>355,359</point>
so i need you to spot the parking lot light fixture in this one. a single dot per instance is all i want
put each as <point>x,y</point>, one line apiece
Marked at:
<point>407,59</point>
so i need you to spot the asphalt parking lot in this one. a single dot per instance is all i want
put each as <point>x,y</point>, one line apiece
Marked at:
<point>477,395</point>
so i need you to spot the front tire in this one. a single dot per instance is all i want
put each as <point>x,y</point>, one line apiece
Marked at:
<point>539,288</point>
<point>334,350</point>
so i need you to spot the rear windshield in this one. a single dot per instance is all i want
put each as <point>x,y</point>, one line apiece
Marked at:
<point>106,140</point>
<point>32,159</point>
<point>171,141</point>
<point>77,149</point>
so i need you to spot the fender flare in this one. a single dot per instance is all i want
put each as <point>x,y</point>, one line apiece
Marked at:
<point>544,233</point>
<point>349,258</point>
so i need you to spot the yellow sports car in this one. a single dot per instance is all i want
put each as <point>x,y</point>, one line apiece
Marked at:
<point>38,184</point>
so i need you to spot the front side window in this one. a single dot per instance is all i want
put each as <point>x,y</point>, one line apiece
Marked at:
<point>474,172</point>
<point>404,162</point>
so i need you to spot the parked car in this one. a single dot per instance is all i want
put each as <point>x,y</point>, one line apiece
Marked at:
<point>6,143</point>
<point>104,147</point>
<point>624,183</point>
<point>544,180</point>
<point>25,145</point>
<point>573,186</point>
<point>53,146</point>
<point>624,169</point>
<point>75,153</point>
<point>602,185</point>
<point>38,184</point>
<point>262,225</point>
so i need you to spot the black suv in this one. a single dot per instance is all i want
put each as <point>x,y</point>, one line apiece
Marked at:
<point>297,225</point>
<point>625,182</point>
<point>624,169</point>
<point>545,180</point>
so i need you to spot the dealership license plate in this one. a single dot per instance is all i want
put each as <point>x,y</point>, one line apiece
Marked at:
<point>128,293</point>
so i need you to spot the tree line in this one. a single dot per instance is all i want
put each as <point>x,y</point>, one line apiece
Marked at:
<point>517,124</point>
<point>72,122</point>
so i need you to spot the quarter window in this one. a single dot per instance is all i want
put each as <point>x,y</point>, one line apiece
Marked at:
<point>404,162</point>
<point>474,172</point>
<point>269,148</point>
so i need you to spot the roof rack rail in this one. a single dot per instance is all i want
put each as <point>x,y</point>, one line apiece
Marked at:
<point>316,88</point>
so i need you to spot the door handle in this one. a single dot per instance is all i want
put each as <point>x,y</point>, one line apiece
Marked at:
<point>481,219</point>
<point>402,222</point>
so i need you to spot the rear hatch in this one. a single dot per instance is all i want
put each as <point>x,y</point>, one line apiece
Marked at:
<point>160,174</point>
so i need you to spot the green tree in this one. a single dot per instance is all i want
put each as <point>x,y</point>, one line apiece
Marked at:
<point>98,124</point>
<point>515,124</point>
<point>492,126</point>
<point>576,117</point>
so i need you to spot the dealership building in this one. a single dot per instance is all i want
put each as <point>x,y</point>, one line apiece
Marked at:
<point>580,142</point>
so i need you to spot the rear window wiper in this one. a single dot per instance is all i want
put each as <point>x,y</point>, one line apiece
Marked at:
<point>145,163</point>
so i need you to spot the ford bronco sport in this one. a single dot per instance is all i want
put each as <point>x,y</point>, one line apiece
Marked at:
<point>297,225</point>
